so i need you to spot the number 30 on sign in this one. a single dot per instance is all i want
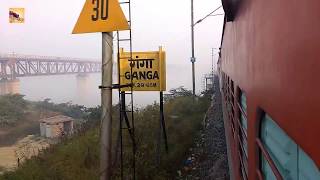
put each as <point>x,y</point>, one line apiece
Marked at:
<point>101,16</point>
<point>100,9</point>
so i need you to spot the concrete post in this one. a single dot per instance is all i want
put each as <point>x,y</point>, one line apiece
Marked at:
<point>106,105</point>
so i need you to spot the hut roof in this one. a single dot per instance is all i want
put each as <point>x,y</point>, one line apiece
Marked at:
<point>56,119</point>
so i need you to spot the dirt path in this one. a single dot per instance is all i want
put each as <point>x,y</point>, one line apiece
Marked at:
<point>8,158</point>
<point>208,158</point>
<point>23,149</point>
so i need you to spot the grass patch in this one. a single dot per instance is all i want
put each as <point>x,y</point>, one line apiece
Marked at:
<point>78,158</point>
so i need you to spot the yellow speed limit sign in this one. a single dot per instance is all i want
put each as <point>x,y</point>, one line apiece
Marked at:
<point>101,16</point>
<point>148,70</point>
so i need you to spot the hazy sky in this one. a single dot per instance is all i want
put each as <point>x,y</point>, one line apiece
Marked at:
<point>48,26</point>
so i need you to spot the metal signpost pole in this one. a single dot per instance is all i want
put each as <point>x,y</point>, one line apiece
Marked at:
<point>162,123</point>
<point>106,106</point>
<point>106,17</point>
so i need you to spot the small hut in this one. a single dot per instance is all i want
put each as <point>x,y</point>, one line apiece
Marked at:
<point>56,126</point>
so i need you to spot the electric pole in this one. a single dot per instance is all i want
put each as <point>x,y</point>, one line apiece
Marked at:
<point>212,61</point>
<point>193,59</point>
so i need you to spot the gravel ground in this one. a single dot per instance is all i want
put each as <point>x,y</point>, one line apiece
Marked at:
<point>208,160</point>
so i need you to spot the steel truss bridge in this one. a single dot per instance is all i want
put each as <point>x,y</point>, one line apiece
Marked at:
<point>12,66</point>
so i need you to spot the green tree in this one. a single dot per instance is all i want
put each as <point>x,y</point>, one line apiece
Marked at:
<point>12,109</point>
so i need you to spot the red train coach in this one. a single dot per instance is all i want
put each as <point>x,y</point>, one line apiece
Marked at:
<point>269,68</point>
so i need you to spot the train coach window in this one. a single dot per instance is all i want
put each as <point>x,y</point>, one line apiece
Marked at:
<point>290,160</point>
<point>243,104</point>
<point>243,142</point>
<point>307,168</point>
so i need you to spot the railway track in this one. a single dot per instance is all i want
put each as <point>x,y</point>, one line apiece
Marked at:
<point>208,160</point>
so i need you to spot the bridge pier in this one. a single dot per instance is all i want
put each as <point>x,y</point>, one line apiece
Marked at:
<point>9,86</point>
<point>83,88</point>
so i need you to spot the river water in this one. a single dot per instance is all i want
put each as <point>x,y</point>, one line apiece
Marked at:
<point>84,90</point>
